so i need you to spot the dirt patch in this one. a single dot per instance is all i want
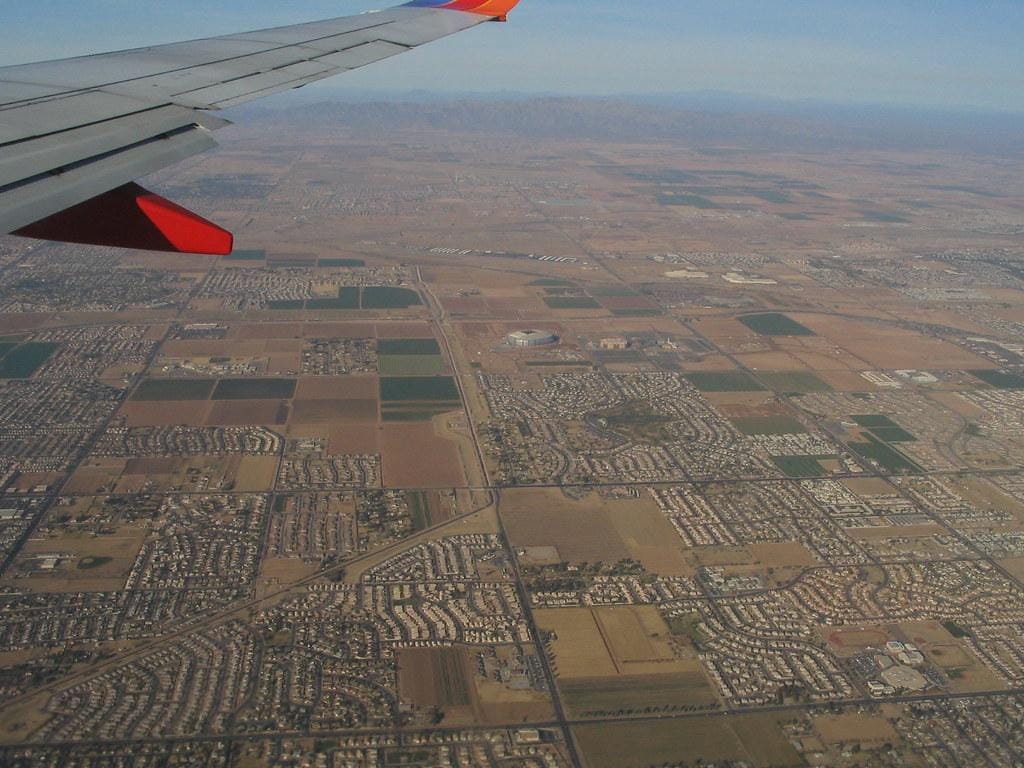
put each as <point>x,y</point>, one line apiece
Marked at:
<point>649,536</point>
<point>160,414</point>
<point>230,413</point>
<point>267,331</point>
<point>353,438</point>
<point>404,331</point>
<point>854,728</point>
<point>317,411</point>
<point>580,530</point>
<point>337,388</point>
<point>414,456</point>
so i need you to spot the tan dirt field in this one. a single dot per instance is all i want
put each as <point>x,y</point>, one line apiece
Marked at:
<point>248,412</point>
<point>353,438</point>
<point>320,411</point>
<point>415,457</point>
<point>854,728</point>
<point>339,331</point>
<point>337,388</point>
<point>581,530</point>
<point>161,414</point>
<point>266,331</point>
<point>649,536</point>
<point>755,739</point>
<point>405,331</point>
<point>256,474</point>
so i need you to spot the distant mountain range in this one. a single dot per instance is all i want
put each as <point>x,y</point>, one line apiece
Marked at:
<point>744,125</point>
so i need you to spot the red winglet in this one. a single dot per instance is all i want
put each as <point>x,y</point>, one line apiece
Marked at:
<point>133,217</point>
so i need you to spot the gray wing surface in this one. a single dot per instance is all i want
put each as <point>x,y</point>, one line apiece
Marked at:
<point>73,129</point>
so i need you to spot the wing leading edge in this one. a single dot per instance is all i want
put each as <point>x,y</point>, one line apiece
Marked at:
<point>75,133</point>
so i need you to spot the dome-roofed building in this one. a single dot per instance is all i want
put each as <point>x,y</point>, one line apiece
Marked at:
<point>530,338</point>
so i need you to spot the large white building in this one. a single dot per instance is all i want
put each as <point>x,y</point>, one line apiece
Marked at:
<point>531,338</point>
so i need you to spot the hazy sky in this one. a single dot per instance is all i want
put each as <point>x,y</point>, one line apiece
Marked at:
<point>912,52</point>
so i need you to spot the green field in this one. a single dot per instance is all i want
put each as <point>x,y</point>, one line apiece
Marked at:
<point>349,296</point>
<point>247,256</point>
<point>411,365</point>
<point>774,324</point>
<point>548,281</point>
<point>341,263</point>
<point>408,347</point>
<point>338,303</point>
<point>418,510</point>
<point>1000,379</point>
<point>693,201</point>
<point>400,415</point>
<point>7,346</point>
<point>611,290</point>
<point>88,563</point>
<point>558,363</point>
<point>884,428</point>
<point>794,382</point>
<point>639,312</point>
<point>155,390</point>
<point>25,359</point>
<point>873,420</point>
<point>886,456</point>
<point>419,389</point>
<point>724,381</point>
<point>892,435</point>
<point>380,297</point>
<point>588,697</point>
<point>884,218</point>
<point>286,304</point>
<point>254,389</point>
<point>571,302</point>
<point>768,425</point>
<point>801,466</point>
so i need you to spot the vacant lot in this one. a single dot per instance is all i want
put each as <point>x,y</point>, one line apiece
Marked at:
<point>724,381</point>
<point>581,530</point>
<point>254,389</point>
<point>414,456</point>
<point>648,535</point>
<point>571,302</point>
<point>323,410</point>
<point>799,382</point>
<point>595,696</point>
<point>855,728</point>
<point>435,677</point>
<point>775,324</point>
<point>230,413</point>
<point>337,388</point>
<point>165,413</point>
<point>768,425</point>
<point>755,739</point>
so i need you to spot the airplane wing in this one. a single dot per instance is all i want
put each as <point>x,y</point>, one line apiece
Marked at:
<point>76,133</point>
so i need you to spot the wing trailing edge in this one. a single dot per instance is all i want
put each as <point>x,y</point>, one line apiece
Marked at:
<point>133,217</point>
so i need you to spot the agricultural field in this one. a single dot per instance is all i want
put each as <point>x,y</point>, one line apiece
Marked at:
<point>775,324</point>
<point>22,360</point>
